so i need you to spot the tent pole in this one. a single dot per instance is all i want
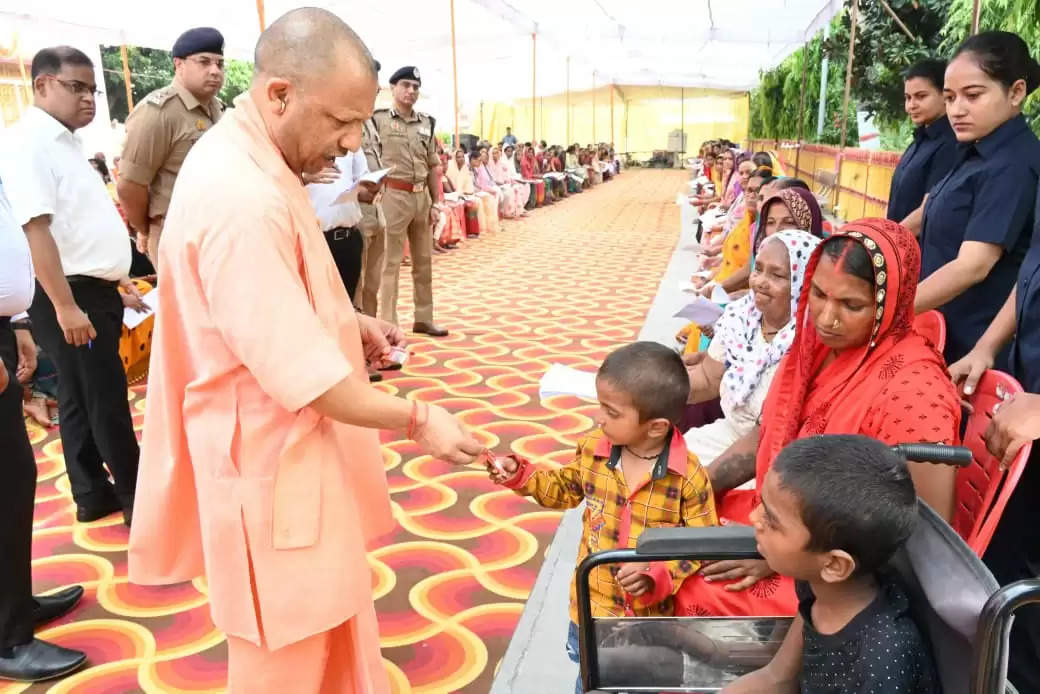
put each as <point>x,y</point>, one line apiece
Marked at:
<point>611,115</point>
<point>845,99</point>
<point>126,79</point>
<point>682,127</point>
<point>260,14</point>
<point>824,65</point>
<point>976,12</point>
<point>801,112</point>
<point>454,74</point>
<point>534,84</point>
<point>568,101</point>
<point>593,107</point>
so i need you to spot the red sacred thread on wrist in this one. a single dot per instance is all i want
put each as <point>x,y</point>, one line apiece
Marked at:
<point>411,420</point>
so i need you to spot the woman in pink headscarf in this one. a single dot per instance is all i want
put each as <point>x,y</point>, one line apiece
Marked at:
<point>502,174</point>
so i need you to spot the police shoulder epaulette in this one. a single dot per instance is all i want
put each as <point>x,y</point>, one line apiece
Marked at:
<point>160,96</point>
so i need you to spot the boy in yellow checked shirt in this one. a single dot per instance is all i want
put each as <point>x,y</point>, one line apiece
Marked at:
<point>634,473</point>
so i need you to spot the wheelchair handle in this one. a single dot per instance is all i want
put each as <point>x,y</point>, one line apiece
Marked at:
<point>958,456</point>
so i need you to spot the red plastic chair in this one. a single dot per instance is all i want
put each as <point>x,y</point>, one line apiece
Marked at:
<point>932,326</point>
<point>983,489</point>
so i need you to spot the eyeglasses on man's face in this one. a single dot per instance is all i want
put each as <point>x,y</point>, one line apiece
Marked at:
<point>76,87</point>
<point>206,63</point>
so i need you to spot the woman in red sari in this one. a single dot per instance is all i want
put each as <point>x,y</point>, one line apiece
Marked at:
<point>857,366</point>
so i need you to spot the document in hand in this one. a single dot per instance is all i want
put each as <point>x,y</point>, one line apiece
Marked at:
<point>132,318</point>
<point>351,194</point>
<point>563,380</point>
<point>701,311</point>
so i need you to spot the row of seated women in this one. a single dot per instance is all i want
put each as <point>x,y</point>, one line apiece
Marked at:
<point>825,343</point>
<point>497,182</point>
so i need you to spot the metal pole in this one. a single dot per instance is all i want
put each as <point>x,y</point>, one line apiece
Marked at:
<point>845,99</point>
<point>594,107</point>
<point>824,65</point>
<point>126,79</point>
<point>611,141</point>
<point>682,124</point>
<point>801,111</point>
<point>897,20</point>
<point>260,14</point>
<point>568,101</point>
<point>534,90</point>
<point>976,12</point>
<point>455,77</point>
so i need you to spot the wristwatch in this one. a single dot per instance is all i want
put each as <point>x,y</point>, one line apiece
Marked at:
<point>23,324</point>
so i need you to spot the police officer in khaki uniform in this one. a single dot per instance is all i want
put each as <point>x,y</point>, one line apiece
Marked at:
<point>163,127</point>
<point>409,146</point>
<point>373,230</point>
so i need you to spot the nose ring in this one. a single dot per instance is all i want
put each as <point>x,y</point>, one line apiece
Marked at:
<point>836,325</point>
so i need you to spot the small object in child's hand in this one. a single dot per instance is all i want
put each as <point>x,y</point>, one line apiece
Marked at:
<point>398,355</point>
<point>491,460</point>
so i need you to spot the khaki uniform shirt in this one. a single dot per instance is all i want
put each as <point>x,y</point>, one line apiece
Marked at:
<point>408,144</point>
<point>371,145</point>
<point>160,131</point>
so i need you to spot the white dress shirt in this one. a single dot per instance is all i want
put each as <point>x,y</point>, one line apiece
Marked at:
<point>17,281</point>
<point>45,171</point>
<point>352,167</point>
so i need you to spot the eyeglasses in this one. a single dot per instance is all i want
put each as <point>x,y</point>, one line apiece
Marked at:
<point>206,63</point>
<point>76,87</point>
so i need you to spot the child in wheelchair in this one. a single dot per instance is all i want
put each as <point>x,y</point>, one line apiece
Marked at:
<point>834,510</point>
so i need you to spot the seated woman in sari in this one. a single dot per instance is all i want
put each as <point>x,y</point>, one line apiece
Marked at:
<point>751,337</point>
<point>485,182</point>
<point>574,168</point>
<point>792,208</point>
<point>460,173</point>
<point>509,203</point>
<point>512,167</point>
<point>857,366</point>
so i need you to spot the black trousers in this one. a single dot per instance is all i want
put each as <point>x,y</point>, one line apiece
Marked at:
<point>94,414</point>
<point>1013,555</point>
<point>348,247</point>
<point>17,492</point>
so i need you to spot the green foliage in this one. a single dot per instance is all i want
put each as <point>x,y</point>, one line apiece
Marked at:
<point>151,69</point>
<point>882,53</point>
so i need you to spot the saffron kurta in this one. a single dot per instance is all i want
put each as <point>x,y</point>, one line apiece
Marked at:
<point>239,477</point>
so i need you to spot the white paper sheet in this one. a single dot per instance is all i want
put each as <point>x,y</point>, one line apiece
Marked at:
<point>701,311</point>
<point>351,194</point>
<point>719,295</point>
<point>564,380</point>
<point>132,318</point>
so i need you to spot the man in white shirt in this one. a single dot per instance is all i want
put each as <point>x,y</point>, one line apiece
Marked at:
<point>81,253</point>
<point>22,657</point>
<point>341,222</point>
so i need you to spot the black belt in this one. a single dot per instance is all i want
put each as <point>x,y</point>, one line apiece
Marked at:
<point>340,233</point>
<point>5,322</point>
<point>87,279</point>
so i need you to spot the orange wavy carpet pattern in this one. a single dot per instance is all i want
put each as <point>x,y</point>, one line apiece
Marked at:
<point>566,284</point>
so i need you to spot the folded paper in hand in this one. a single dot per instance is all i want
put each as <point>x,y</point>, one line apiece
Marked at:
<point>563,380</point>
<point>132,318</point>
<point>351,194</point>
<point>701,311</point>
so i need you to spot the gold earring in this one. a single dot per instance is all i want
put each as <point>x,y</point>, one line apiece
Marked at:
<point>282,109</point>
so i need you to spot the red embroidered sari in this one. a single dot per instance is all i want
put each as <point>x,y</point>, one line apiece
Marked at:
<point>894,388</point>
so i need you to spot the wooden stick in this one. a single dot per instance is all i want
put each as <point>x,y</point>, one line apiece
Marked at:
<point>801,109</point>
<point>455,79</point>
<point>845,99</point>
<point>976,13</point>
<point>534,90</point>
<point>126,79</point>
<point>898,21</point>
<point>260,14</point>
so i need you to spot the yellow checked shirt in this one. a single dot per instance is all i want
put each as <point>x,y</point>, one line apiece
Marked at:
<point>676,493</point>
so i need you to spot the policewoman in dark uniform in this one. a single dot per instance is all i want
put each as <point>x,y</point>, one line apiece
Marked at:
<point>1014,552</point>
<point>978,219</point>
<point>931,155</point>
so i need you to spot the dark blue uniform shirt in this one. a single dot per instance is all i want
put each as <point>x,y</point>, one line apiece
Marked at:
<point>924,163</point>
<point>987,197</point>
<point>1025,351</point>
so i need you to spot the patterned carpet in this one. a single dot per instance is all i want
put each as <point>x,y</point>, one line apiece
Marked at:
<point>567,284</point>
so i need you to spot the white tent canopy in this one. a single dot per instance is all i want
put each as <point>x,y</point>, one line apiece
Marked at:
<point>718,44</point>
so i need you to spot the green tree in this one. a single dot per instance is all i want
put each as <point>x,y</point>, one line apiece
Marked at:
<point>151,69</point>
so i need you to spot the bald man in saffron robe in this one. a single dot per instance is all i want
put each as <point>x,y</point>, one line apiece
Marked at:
<point>260,464</point>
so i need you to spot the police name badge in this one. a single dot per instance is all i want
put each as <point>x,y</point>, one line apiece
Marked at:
<point>200,124</point>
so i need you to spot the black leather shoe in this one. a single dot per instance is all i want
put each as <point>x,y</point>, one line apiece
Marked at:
<point>429,329</point>
<point>38,660</point>
<point>87,514</point>
<point>50,607</point>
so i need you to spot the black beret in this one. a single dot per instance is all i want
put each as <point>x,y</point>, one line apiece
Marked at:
<point>409,72</point>
<point>378,65</point>
<point>199,40</point>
